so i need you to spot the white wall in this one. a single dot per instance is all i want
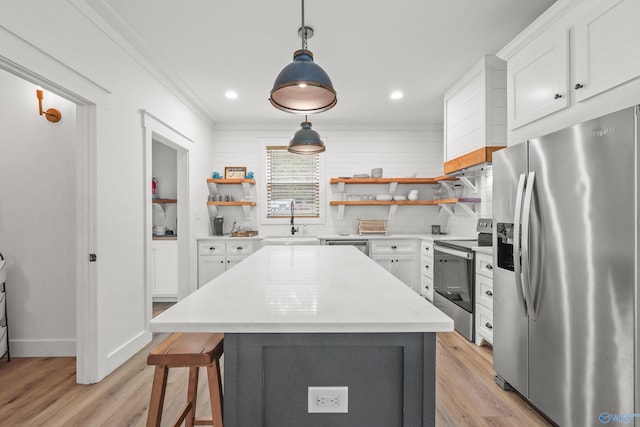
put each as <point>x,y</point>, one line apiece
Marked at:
<point>71,52</point>
<point>350,150</point>
<point>37,219</point>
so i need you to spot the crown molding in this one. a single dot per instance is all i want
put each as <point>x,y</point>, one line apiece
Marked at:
<point>537,27</point>
<point>109,22</point>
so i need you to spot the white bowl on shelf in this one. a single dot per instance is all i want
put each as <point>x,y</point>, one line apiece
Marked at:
<point>384,197</point>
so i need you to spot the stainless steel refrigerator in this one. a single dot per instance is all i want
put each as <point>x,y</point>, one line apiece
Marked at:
<point>565,209</point>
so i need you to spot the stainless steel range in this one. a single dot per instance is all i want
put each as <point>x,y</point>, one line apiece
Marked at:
<point>454,277</point>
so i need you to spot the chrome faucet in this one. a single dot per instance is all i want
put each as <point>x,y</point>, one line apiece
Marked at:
<point>294,229</point>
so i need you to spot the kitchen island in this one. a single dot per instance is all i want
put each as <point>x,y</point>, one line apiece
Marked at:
<point>296,317</point>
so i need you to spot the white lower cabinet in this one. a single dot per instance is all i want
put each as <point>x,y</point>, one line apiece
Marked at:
<point>164,270</point>
<point>217,256</point>
<point>400,258</point>
<point>484,298</point>
<point>426,257</point>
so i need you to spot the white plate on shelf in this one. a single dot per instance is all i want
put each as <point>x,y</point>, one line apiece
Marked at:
<point>398,198</point>
<point>384,197</point>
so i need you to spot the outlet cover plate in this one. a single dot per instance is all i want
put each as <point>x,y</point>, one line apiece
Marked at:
<point>328,400</point>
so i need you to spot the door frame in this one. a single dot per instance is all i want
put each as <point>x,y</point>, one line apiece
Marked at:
<point>156,129</point>
<point>87,364</point>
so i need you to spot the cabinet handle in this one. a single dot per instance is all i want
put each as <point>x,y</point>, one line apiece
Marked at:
<point>228,261</point>
<point>557,96</point>
<point>239,248</point>
<point>488,325</point>
<point>221,262</point>
<point>212,248</point>
<point>427,267</point>
<point>578,86</point>
<point>394,247</point>
<point>427,287</point>
<point>426,249</point>
<point>489,293</point>
<point>489,267</point>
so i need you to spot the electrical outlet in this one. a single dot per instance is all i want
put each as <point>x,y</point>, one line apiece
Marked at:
<point>333,400</point>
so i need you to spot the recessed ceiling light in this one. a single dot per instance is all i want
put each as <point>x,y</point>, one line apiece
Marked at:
<point>231,94</point>
<point>396,94</point>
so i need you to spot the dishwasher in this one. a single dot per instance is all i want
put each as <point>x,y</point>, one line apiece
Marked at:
<point>361,244</point>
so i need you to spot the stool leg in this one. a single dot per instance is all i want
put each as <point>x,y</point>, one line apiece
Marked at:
<point>192,395</point>
<point>158,390</point>
<point>215,392</point>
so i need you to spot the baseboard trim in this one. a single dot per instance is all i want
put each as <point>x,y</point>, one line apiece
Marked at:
<point>43,348</point>
<point>126,351</point>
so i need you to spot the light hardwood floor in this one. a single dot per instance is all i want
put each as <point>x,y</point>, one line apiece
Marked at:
<point>42,391</point>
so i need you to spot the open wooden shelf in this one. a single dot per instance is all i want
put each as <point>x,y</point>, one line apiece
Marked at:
<point>164,201</point>
<point>390,180</point>
<point>232,181</point>
<point>381,202</point>
<point>234,203</point>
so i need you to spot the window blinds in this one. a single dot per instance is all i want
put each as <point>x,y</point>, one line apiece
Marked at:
<point>292,177</point>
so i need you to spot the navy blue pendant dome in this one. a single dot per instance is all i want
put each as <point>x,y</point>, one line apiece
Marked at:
<point>303,87</point>
<point>306,141</point>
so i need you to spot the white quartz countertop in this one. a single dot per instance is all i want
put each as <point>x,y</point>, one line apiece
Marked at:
<point>304,289</point>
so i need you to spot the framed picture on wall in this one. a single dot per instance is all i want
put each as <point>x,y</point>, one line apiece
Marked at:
<point>234,172</point>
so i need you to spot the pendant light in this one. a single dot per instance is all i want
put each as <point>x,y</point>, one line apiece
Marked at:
<point>306,140</point>
<point>303,87</point>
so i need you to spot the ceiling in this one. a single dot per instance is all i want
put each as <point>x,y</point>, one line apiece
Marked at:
<point>369,48</point>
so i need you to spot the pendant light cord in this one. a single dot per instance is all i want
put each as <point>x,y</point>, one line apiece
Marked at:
<point>304,30</point>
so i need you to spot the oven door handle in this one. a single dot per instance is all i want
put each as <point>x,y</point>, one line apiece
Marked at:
<point>461,254</point>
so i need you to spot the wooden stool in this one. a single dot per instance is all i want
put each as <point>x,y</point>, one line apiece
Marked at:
<point>192,350</point>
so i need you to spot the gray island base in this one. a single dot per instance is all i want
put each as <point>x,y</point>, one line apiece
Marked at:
<point>300,318</point>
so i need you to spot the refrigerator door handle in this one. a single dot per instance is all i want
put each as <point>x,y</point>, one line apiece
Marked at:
<point>526,270</point>
<point>517,248</point>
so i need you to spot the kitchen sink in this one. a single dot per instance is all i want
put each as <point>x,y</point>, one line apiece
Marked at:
<point>290,240</point>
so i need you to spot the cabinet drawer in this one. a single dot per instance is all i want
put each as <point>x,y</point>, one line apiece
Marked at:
<point>211,248</point>
<point>393,247</point>
<point>427,267</point>
<point>484,291</point>
<point>239,248</point>
<point>427,288</point>
<point>484,265</point>
<point>427,249</point>
<point>484,324</point>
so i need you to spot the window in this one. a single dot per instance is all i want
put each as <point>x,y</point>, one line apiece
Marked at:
<point>292,178</point>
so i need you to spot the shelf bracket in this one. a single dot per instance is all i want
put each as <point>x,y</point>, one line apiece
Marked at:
<point>468,208</point>
<point>213,187</point>
<point>213,211</point>
<point>246,188</point>
<point>246,210</point>
<point>448,209</point>
<point>392,211</point>
<point>471,186</point>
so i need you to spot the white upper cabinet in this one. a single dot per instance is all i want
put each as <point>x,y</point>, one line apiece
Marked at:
<point>607,47</point>
<point>538,79</point>
<point>578,60</point>
<point>475,114</point>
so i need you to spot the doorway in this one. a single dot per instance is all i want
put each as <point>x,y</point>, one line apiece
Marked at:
<point>58,218</point>
<point>165,210</point>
